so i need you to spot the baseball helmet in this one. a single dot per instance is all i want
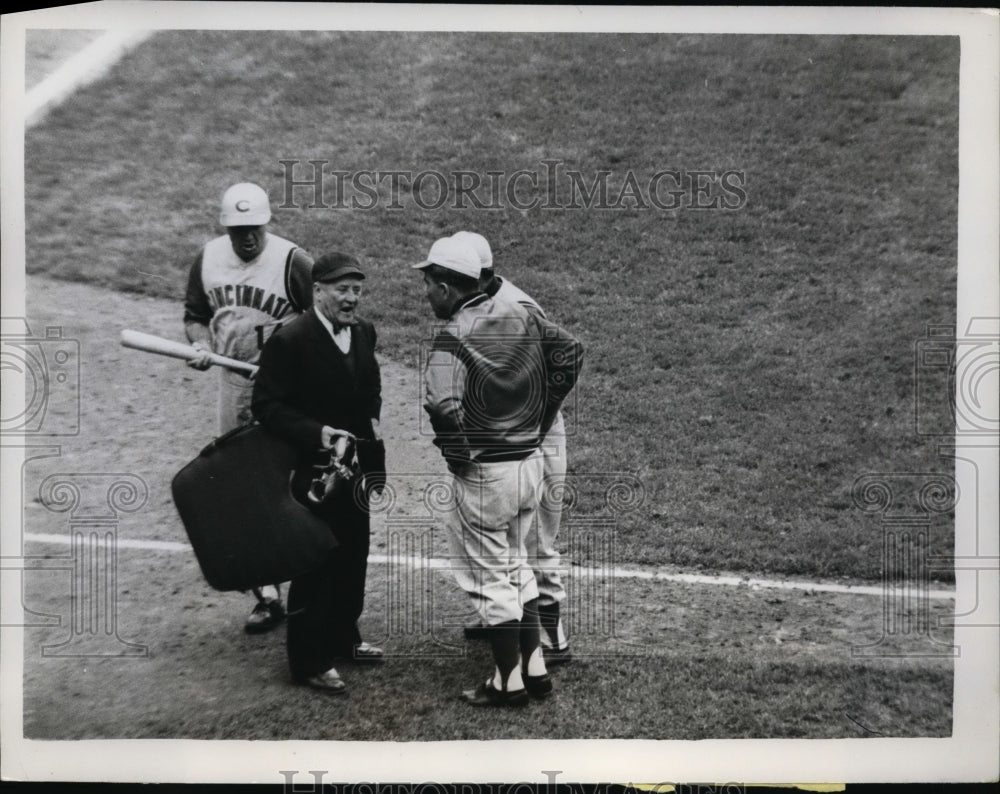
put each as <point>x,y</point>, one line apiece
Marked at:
<point>245,204</point>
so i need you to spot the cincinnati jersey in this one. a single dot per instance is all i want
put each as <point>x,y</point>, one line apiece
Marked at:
<point>243,303</point>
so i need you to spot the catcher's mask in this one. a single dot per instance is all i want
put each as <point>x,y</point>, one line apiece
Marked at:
<point>336,476</point>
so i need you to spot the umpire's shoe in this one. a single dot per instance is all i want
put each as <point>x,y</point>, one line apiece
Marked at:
<point>266,615</point>
<point>329,683</point>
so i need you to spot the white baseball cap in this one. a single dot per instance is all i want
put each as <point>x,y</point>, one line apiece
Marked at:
<point>452,254</point>
<point>480,244</point>
<point>245,204</point>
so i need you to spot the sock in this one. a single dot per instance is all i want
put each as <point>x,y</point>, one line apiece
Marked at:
<point>506,647</point>
<point>554,637</point>
<point>531,641</point>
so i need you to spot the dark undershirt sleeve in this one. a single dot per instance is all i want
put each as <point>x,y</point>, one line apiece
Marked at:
<point>196,306</point>
<point>299,277</point>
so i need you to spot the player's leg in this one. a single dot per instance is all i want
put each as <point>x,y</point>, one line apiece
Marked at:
<point>541,545</point>
<point>235,394</point>
<point>536,678</point>
<point>487,569</point>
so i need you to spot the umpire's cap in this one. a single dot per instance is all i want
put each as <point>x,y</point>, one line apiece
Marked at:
<point>245,204</point>
<point>335,265</point>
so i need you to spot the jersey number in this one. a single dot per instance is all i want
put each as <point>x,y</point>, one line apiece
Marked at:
<point>260,333</point>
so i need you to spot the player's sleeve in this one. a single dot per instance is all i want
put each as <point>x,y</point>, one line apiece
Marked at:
<point>533,309</point>
<point>273,397</point>
<point>197,309</point>
<point>562,354</point>
<point>298,279</point>
<point>444,381</point>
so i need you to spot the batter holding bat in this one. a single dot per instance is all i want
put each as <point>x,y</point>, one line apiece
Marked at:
<point>242,287</point>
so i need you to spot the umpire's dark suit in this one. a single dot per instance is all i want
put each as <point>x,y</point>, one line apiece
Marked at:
<point>305,382</point>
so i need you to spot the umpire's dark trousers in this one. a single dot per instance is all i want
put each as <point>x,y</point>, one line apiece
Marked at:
<point>324,605</point>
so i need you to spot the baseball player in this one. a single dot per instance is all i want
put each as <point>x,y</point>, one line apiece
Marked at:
<point>242,287</point>
<point>488,420</point>
<point>541,540</point>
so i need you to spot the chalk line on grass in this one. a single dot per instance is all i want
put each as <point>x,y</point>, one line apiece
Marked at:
<point>79,69</point>
<point>613,573</point>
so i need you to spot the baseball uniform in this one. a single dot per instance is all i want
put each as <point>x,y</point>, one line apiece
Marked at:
<point>490,396</point>
<point>543,556</point>
<point>242,304</point>
<point>241,288</point>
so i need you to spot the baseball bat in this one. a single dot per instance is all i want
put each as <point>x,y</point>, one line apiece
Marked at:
<point>167,347</point>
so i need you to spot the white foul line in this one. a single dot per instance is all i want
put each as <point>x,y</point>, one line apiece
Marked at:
<point>596,573</point>
<point>81,68</point>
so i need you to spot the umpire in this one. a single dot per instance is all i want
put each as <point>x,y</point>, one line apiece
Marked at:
<point>319,382</point>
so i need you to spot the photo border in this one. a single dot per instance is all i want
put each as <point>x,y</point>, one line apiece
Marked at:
<point>970,754</point>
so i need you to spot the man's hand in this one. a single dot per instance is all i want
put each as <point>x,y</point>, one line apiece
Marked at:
<point>330,435</point>
<point>376,431</point>
<point>204,360</point>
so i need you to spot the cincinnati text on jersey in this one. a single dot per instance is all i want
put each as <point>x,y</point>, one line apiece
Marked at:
<point>247,295</point>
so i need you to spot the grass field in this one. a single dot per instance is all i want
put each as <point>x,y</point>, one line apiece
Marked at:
<point>748,364</point>
<point>654,660</point>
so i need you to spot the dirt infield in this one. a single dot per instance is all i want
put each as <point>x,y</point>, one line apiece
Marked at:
<point>186,670</point>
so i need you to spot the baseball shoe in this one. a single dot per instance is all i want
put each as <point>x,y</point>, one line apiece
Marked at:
<point>554,656</point>
<point>266,615</point>
<point>486,695</point>
<point>329,682</point>
<point>538,686</point>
